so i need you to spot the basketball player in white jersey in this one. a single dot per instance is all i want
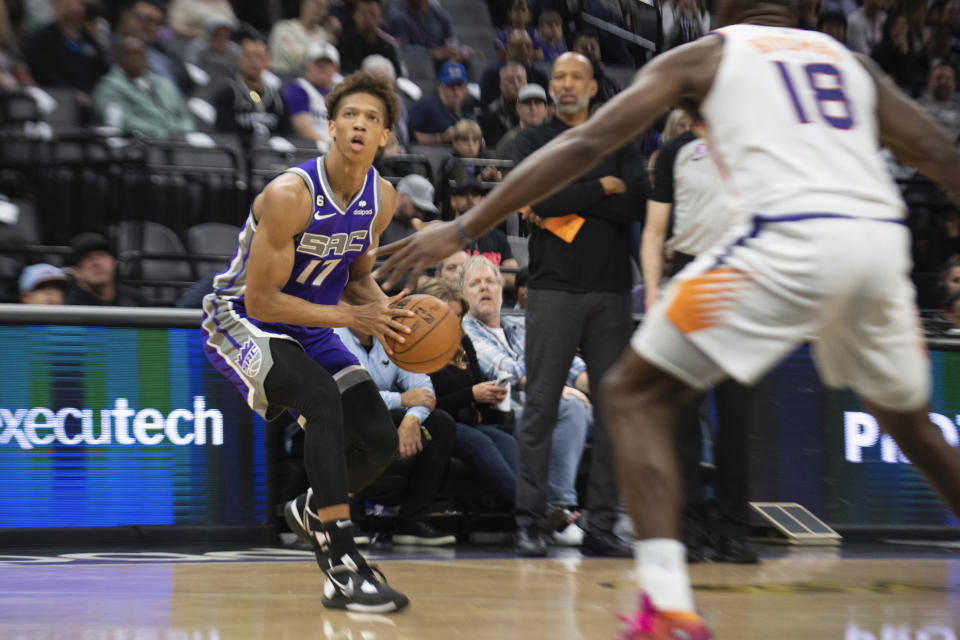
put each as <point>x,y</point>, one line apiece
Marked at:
<point>795,121</point>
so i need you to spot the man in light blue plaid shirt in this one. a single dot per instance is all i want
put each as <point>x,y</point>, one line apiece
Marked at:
<point>547,465</point>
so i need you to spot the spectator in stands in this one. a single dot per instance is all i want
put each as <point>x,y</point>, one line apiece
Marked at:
<point>306,96</point>
<point>414,205</point>
<point>941,99</point>
<point>576,301</point>
<point>951,312</point>
<point>587,44</point>
<point>904,59</point>
<point>144,20</point>
<point>678,121</point>
<point>834,24</point>
<point>501,115</point>
<point>467,144</point>
<point>493,245</point>
<point>187,17</point>
<point>865,26</point>
<point>96,24</point>
<point>291,40</point>
<point>843,7</point>
<point>427,435</point>
<point>366,38</point>
<point>64,54</point>
<point>500,345</point>
<point>42,284</point>
<point>133,98</point>
<point>550,35</point>
<point>451,267</point>
<point>421,23</point>
<point>531,112</point>
<point>94,270</point>
<point>432,117</point>
<point>950,276</point>
<point>520,16</point>
<point>216,54</point>
<point>13,69</point>
<point>519,49</point>
<point>247,105</point>
<point>399,141</point>
<point>683,21</point>
<point>472,400</point>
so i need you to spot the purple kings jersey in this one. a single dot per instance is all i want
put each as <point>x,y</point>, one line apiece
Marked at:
<point>335,237</point>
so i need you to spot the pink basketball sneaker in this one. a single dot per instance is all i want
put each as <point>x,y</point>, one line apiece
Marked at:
<point>650,624</point>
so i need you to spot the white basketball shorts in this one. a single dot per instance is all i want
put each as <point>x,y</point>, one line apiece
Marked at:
<point>840,282</point>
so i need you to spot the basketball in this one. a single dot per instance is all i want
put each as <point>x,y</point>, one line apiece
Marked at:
<point>434,335</point>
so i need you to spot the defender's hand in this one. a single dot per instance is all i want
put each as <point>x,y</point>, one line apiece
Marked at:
<point>417,252</point>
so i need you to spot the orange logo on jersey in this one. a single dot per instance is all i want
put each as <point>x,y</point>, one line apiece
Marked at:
<point>700,299</point>
<point>770,44</point>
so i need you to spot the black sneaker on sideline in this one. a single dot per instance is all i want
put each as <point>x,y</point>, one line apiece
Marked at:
<point>420,532</point>
<point>356,586</point>
<point>603,544</point>
<point>531,542</point>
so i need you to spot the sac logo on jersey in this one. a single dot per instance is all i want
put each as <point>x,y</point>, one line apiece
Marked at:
<point>338,244</point>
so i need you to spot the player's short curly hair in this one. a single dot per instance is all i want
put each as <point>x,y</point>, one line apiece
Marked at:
<point>365,82</point>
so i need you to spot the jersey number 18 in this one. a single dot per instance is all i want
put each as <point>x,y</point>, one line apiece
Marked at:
<point>826,84</point>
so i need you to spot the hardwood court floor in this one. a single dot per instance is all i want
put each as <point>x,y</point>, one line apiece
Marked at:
<point>819,595</point>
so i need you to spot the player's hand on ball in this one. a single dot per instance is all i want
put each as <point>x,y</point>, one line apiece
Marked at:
<point>489,393</point>
<point>381,320</point>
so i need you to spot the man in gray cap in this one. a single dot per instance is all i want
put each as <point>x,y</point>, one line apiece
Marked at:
<point>531,112</point>
<point>42,284</point>
<point>414,206</point>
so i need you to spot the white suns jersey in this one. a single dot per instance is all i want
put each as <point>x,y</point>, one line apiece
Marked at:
<point>792,125</point>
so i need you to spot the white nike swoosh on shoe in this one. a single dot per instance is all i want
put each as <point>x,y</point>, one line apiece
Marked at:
<point>345,589</point>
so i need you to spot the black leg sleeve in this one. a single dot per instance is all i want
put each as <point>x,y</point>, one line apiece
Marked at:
<point>372,436</point>
<point>297,383</point>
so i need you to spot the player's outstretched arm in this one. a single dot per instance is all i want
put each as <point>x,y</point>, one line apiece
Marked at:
<point>913,136</point>
<point>685,72</point>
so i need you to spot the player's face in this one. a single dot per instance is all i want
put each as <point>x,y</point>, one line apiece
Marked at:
<point>359,127</point>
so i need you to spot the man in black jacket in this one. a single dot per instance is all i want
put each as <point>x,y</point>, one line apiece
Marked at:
<point>579,297</point>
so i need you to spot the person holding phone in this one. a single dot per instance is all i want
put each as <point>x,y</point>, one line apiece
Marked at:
<point>475,403</point>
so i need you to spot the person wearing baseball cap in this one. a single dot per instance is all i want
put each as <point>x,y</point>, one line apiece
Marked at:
<point>306,96</point>
<point>414,204</point>
<point>42,284</point>
<point>94,270</point>
<point>531,112</point>
<point>432,117</point>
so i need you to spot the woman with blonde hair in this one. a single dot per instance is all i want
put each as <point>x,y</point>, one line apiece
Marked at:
<point>464,393</point>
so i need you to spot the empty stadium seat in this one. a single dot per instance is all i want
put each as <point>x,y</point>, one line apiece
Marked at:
<point>212,238</point>
<point>135,242</point>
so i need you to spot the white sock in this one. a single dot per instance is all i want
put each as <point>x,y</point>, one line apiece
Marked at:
<point>662,573</point>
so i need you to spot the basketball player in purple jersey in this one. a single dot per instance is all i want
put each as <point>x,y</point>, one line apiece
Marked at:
<point>302,267</point>
<point>821,252</point>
